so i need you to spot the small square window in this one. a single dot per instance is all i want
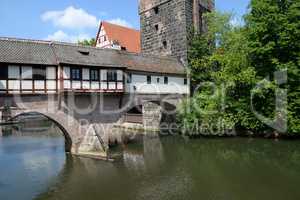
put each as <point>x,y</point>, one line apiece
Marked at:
<point>76,74</point>
<point>185,81</point>
<point>94,73</point>
<point>156,10</point>
<point>112,75</point>
<point>129,78</point>
<point>166,80</point>
<point>149,79</point>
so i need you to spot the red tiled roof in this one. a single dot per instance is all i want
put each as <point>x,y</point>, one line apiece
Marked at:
<point>127,37</point>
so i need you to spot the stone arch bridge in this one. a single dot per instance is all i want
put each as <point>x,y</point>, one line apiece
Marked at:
<point>87,119</point>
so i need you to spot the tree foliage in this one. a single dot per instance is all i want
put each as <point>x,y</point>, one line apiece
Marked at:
<point>232,68</point>
<point>90,42</point>
<point>273,32</point>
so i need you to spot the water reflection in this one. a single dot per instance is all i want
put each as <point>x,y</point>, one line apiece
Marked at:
<point>166,168</point>
<point>137,157</point>
<point>28,165</point>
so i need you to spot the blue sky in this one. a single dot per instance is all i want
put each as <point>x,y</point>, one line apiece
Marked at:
<point>70,20</point>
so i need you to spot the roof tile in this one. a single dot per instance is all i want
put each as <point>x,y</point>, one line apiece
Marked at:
<point>54,53</point>
<point>127,37</point>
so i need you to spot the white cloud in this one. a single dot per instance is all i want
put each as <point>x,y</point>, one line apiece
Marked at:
<point>71,17</point>
<point>64,37</point>
<point>120,22</point>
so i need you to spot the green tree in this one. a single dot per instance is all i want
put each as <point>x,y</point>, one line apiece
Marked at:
<point>273,31</point>
<point>90,42</point>
<point>218,60</point>
<point>235,67</point>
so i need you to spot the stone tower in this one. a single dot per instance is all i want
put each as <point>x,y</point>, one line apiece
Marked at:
<point>166,24</point>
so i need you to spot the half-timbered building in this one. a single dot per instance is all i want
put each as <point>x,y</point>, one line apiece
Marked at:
<point>42,67</point>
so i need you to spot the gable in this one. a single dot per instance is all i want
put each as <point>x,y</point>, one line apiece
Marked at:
<point>126,37</point>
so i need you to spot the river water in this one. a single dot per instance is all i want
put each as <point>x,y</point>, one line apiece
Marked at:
<point>166,168</point>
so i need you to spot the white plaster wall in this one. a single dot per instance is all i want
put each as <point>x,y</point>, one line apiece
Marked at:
<point>51,85</point>
<point>120,86</point>
<point>76,84</point>
<point>86,85</point>
<point>175,85</point>
<point>67,84</point>
<point>51,72</point>
<point>15,85</point>
<point>95,86</point>
<point>103,86</point>
<point>26,85</point>
<point>39,85</point>
<point>112,85</point>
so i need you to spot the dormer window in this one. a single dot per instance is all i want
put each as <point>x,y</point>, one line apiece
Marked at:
<point>83,52</point>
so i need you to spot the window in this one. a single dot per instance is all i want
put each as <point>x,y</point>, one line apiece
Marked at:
<point>185,81</point>
<point>165,44</point>
<point>156,27</point>
<point>94,74</point>
<point>75,74</point>
<point>166,80</point>
<point>156,10</point>
<point>3,72</point>
<point>39,73</point>
<point>129,78</point>
<point>103,39</point>
<point>14,72</point>
<point>112,75</point>
<point>149,79</point>
<point>158,80</point>
<point>123,48</point>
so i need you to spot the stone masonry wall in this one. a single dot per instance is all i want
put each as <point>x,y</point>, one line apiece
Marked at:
<point>152,114</point>
<point>165,26</point>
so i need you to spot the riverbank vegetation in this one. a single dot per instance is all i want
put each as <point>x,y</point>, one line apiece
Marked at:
<point>246,76</point>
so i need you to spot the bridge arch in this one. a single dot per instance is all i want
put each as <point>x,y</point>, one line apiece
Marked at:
<point>66,134</point>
